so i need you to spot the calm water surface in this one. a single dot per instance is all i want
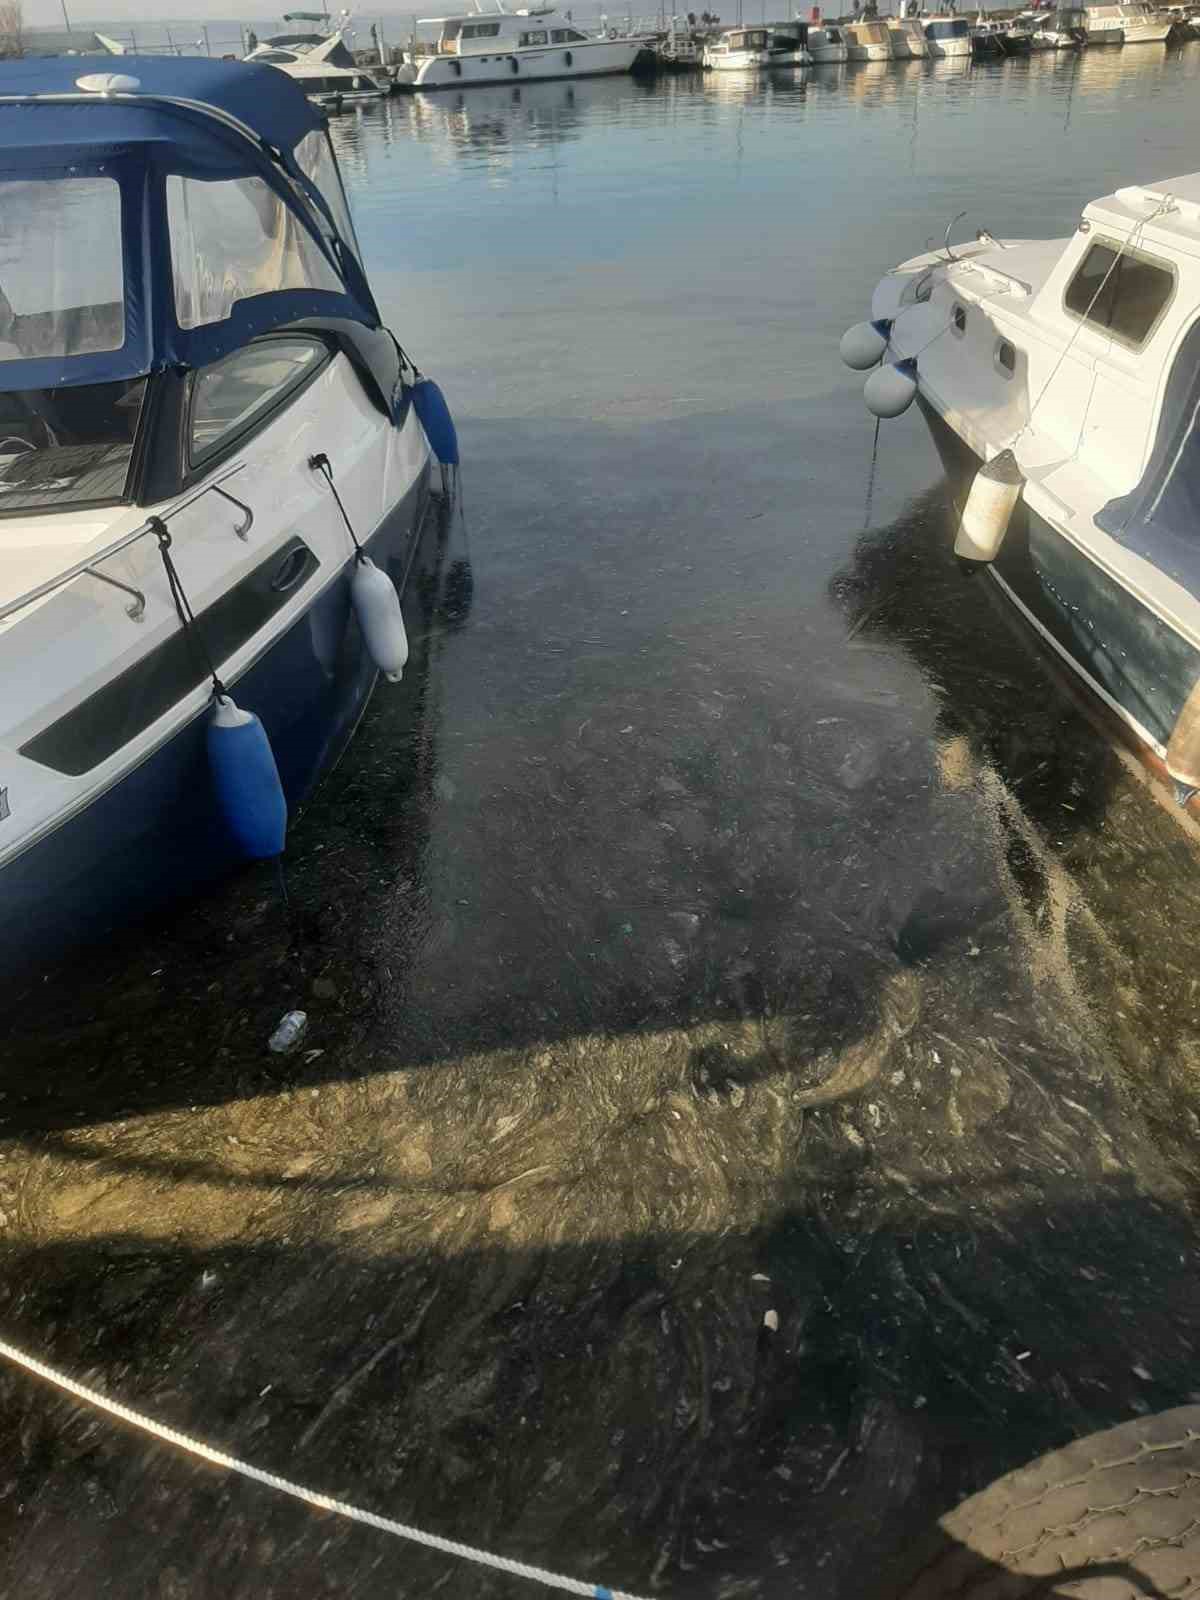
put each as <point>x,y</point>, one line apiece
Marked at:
<point>728,915</point>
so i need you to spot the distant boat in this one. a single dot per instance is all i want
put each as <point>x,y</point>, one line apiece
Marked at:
<point>739,50</point>
<point>868,41</point>
<point>907,38</point>
<point>1127,22</point>
<point>788,45</point>
<point>827,45</point>
<point>320,63</point>
<point>948,36</point>
<point>515,47</point>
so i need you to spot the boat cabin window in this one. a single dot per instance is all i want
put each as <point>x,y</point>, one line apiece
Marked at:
<point>233,239</point>
<point>540,37</point>
<point>480,30</point>
<point>1124,294</point>
<point>955,28</point>
<point>1006,358</point>
<point>234,395</point>
<point>278,58</point>
<point>566,36</point>
<point>67,446</point>
<point>62,281</point>
<point>958,320</point>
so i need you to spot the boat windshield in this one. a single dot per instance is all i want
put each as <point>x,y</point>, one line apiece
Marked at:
<point>955,29</point>
<point>68,446</point>
<point>62,286</point>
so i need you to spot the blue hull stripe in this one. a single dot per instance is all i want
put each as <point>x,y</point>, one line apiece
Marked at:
<point>156,835</point>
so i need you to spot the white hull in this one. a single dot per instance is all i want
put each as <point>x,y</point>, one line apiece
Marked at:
<point>738,61</point>
<point>908,46</point>
<point>942,49</point>
<point>869,52</point>
<point>789,58</point>
<point>1147,32</point>
<point>575,60</point>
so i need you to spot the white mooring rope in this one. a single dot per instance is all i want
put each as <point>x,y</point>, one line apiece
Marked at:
<point>312,1497</point>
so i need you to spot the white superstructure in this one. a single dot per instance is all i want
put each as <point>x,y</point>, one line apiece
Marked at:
<point>514,47</point>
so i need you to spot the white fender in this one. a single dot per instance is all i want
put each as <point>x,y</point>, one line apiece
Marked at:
<point>377,607</point>
<point>891,389</point>
<point>989,508</point>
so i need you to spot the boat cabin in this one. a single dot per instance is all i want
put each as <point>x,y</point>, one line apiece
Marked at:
<point>94,322</point>
<point>744,39</point>
<point>939,29</point>
<point>504,33</point>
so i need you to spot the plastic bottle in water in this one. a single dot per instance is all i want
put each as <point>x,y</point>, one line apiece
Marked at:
<point>293,1025</point>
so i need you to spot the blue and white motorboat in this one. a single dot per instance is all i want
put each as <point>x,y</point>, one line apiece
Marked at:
<point>202,418</point>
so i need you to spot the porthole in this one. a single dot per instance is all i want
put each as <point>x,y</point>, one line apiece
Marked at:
<point>1006,358</point>
<point>958,320</point>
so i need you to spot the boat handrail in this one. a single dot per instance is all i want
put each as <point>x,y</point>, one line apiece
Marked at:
<point>77,570</point>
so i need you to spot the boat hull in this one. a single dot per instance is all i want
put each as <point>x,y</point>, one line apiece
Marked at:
<point>1134,666</point>
<point>829,55</point>
<point>945,49</point>
<point>155,835</point>
<point>592,58</point>
<point>869,52</point>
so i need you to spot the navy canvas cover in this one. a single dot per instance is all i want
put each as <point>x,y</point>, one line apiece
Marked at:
<point>139,141</point>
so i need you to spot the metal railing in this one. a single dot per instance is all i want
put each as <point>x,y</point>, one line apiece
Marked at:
<point>89,563</point>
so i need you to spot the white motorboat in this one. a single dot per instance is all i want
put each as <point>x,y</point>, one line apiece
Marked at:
<point>868,41</point>
<point>1047,32</point>
<point>516,46</point>
<point>1072,368</point>
<point>827,45</point>
<point>907,38</point>
<point>948,36</point>
<point>194,378</point>
<point>787,45</point>
<point>1127,22</point>
<point>739,50</point>
<point>323,67</point>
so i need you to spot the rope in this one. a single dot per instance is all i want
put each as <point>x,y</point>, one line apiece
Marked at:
<point>312,1497</point>
<point>320,463</point>
<point>183,607</point>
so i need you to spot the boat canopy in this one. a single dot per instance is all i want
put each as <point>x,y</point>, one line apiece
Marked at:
<point>162,216</point>
<point>1158,519</point>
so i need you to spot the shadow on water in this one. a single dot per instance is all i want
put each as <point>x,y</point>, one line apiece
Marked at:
<point>121,1025</point>
<point>613,1407</point>
<point>1101,867</point>
<point>682,975</point>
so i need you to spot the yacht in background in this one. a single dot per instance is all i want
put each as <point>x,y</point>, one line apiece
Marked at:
<point>1047,32</point>
<point>1127,22</point>
<point>907,38</point>
<point>868,41</point>
<point>323,67</point>
<point>948,36</point>
<point>739,50</point>
<point>788,45</point>
<point>517,47</point>
<point>827,45</point>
